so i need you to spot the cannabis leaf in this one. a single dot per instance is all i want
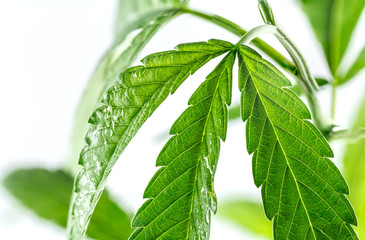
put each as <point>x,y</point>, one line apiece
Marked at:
<point>128,43</point>
<point>128,104</point>
<point>47,193</point>
<point>181,194</point>
<point>333,21</point>
<point>302,190</point>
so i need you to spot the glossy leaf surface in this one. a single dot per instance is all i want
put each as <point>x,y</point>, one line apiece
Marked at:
<point>333,21</point>
<point>302,189</point>
<point>127,105</point>
<point>122,53</point>
<point>47,194</point>
<point>181,195</point>
<point>354,165</point>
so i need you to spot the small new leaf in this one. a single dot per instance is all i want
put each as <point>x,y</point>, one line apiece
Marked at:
<point>302,190</point>
<point>127,105</point>
<point>181,194</point>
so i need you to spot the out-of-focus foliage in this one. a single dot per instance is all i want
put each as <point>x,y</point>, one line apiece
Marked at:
<point>333,22</point>
<point>48,193</point>
<point>354,167</point>
<point>248,214</point>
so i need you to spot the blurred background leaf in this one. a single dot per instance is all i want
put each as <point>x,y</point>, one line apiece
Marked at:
<point>247,214</point>
<point>355,68</point>
<point>47,194</point>
<point>354,167</point>
<point>333,22</point>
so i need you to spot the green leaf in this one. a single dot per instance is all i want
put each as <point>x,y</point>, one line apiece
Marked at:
<point>333,22</point>
<point>47,194</point>
<point>127,105</point>
<point>132,13</point>
<point>248,214</point>
<point>121,54</point>
<point>235,109</point>
<point>354,165</point>
<point>302,189</point>
<point>356,67</point>
<point>181,195</point>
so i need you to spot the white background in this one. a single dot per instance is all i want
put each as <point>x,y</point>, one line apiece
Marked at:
<point>48,50</point>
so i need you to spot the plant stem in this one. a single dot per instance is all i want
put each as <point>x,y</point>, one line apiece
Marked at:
<point>298,58</point>
<point>255,32</point>
<point>300,69</point>
<point>333,100</point>
<point>307,81</point>
<point>238,31</point>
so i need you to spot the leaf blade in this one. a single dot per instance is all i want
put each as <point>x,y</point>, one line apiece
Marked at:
<point>128,43</point>
<point>290,157</point>
<point>181,195</point>
<point>127,105</point>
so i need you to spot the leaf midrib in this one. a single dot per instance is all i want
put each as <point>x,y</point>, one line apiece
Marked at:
<point>203,136</point>
<point>119,147</point>
<point>282,149</point>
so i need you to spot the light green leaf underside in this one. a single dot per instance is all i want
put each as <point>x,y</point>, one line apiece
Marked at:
<point>127,105</point>
<point>354,165</point>
<point>247,214</point>
<point>302,190</point>
<point>181,196</point>
<point>333,21</point>
<point>47,193</point>
<point>121,54</point>
<point>132,13</point>
<point>355,68</point>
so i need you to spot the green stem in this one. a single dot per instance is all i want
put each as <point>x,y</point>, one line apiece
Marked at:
<point>286,38</point>
<point>307,81</point>
<point>255,32</point>
<point>333,100</point>
<point>238,31</point>
<point>300,69</point>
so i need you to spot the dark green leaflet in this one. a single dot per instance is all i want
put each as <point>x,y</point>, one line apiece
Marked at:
<point>127,105</point>
<point>47,193</point>
<point>302,190</point>
<point>181,194</point>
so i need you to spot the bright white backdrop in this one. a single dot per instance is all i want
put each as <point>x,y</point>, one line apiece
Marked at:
<point>48,50</point>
